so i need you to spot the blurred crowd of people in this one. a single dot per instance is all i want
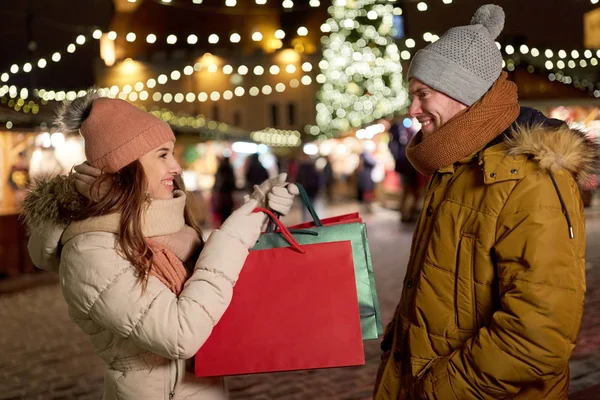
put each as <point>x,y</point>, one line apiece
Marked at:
<point>319,179</point>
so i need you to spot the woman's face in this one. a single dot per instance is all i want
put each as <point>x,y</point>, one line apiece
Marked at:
<point>160,168</point>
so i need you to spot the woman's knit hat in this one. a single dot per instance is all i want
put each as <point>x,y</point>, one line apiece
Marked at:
<point>465,62</point>
<point>115,132</point>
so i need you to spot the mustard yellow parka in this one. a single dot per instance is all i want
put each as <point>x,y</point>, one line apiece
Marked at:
<point>493,296</point>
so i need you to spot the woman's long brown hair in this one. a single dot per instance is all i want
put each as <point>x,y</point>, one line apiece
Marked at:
<point>127,195</point>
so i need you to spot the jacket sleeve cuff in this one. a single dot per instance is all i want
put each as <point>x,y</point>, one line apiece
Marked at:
<point>43,246</point>
<point>223,254</point>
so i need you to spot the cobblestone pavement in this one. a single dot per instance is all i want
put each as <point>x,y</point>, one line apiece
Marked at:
<point>45,356</point>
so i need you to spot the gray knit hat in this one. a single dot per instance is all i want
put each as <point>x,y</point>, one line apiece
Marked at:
<point>465,62</point>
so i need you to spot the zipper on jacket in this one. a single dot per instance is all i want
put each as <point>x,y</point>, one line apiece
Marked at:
<point>563,206</point>
<point>174,384</point>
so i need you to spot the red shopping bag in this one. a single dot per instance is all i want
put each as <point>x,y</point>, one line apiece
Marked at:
<point>293,308</point>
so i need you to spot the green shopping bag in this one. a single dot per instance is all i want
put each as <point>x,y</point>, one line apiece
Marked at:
<point>341,228</point>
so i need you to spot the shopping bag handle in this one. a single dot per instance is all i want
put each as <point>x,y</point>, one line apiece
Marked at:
<point>307,203</point>
<point>282,229</point>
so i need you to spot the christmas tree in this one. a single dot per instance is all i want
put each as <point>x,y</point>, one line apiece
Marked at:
<point>361,71</point>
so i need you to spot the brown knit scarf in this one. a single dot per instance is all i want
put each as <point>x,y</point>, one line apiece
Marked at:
<point>469,131</point>
<point>167,236</point>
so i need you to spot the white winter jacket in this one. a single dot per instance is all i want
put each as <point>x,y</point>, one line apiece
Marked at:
<point>145,339</point>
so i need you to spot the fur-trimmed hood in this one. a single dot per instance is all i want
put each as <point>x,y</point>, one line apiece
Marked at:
<point>53,200</point>
<point>556,148</point>
<point>551,144</point>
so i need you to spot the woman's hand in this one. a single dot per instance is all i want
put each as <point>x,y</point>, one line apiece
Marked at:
<point>84,176</point>
<point>244,225</point>
<point>276,194</point>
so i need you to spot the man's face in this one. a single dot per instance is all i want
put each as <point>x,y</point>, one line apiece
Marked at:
<point>430,107</point>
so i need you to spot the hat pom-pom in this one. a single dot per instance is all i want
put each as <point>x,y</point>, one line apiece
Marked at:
<point>491,17</point>
<point>71,114</point>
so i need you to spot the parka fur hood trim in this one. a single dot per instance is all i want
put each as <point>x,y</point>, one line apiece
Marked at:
<point>52,200</point>
<point>556,148</point>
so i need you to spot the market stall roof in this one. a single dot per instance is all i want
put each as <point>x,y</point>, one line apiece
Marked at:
<point>212,131</point>
<point>536,84</point>
<point>11,119</point>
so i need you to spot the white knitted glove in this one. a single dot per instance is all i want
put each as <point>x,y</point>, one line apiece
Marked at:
<point>245,225</point>
<point>281,198</point>
<point>275,193</point>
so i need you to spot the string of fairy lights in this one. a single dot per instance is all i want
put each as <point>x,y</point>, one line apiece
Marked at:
<point>559,58</point>
<point>554,59</point>
<point>17,99</point>
<point>151,38</point>
<point>170,39</point>
<point>193,39</point>
<point>137,91</point>
<point>287,4</point>
<point>56,57</point>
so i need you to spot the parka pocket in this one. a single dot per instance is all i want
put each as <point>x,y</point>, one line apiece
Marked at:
<point>465,308</point>
<point>420,367</point>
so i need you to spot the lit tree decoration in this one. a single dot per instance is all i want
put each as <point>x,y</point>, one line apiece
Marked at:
<point>361,72</point>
